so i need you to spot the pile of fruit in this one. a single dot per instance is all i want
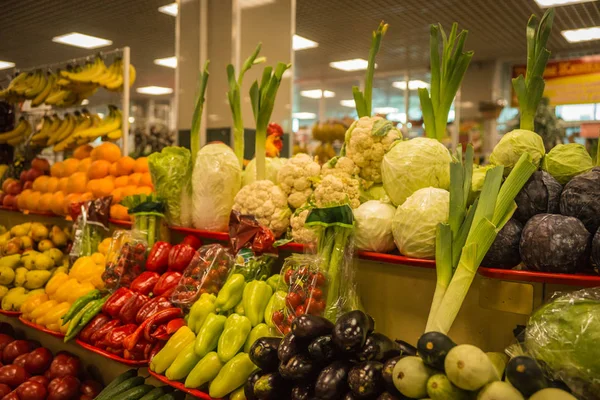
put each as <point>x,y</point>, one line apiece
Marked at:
<point>31,254</point>
<point>31,372</point>
<point>11,187</point>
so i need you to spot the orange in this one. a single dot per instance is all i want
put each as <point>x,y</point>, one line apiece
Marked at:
<point>77,183</point>
<point>32,201</point>
<point>125,166</point>
<point>143,190</point>
<point>129,190</point>
<point>118,211</point>
<point>134,179</point>
<point>117,195</point>
<point>70,198</point>
<point>92,185</point>
<point>113,169</point>
<point>141,165</point>
<point>106,151</point>
<point>82,151</point>
<point>56,204</point>
<point>104,188</point>
<point>84,165</point>
<point>41,183</point>
<point>86,196</point>
<point>52,185</point>
<point>45,201</point>
<point>99,169</point>
<point>57,169</point>
<point>62,184</point>
<point>70,167</point>
<point>146,179</point>
<point>121,181</point>
<point>22,199</point>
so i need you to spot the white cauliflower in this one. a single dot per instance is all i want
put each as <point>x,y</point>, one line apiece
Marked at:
<point>338,185</point>
<point>300,232</point>
<point>340,166</point>
<point>367,140</point>
<point>297,177</point>
<point>267,203</point>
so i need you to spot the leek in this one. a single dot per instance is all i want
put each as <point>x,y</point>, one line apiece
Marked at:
<point>262,97</point>
<point>446,77</point>
<point>235,103</point>
<point>198,109</point>
<point>529,89</point>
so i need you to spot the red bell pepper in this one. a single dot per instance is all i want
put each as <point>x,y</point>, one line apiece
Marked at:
<point>116,301</point>
<point>168,280</point>
<point>180,257</point>
<point>160,318</point>
<point>114,338</point>
<point>145,282</point>
<point>98,336</point>
<point>160,333</point>
<point>98,322</point>
<point>130,309</point>
<point>174,325</point>
<point>152,307</point>
<point>155,349</point>
<point>192,241</point>
<point>158,259</point>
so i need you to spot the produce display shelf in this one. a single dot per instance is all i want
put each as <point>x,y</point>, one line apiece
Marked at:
<point>12,314</point>
<point>120,222</point>
<point>94,349</point>
<point>202,234</point>
<point>396,259</point>
<point>40,213</point>
<point>41,328</point>
<point>180,386</point>
<point>541,277</point>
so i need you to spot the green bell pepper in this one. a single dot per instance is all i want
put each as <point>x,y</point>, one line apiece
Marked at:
<point>260,330</point>
<point>231,293</point>
<point>164,358</point>
<point>233,375</point>
<point>238,394</point>
<point>183,364</point>
<point>208,335</point>
<point>255,299</point>
<point>276,302</point>
<point>237,329</point>
<point>274,281</point>
<point>205,371</point>
<point>201,308</point>
<point>239,309</point>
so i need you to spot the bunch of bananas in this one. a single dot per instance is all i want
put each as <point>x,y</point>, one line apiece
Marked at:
<point>76,129</point>
<point>18,135</point>
<point>68,87</point>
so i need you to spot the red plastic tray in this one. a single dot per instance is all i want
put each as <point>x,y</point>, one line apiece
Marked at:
<point>120,222</point>
<point>396,259</point>
<point>541,277</point>
<point>223,236</point>
<point>12,314</point>
<point>94,349</point>
<point>41,328</point>
<point>181,386</point>
<point>40,213</point>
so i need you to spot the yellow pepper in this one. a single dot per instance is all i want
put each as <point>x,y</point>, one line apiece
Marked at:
<point>32,302</point>
<point>54,314</point>
<point>55,282</point>
<point>63,292</point>
<point>42,309</point>
<point>83,289</point>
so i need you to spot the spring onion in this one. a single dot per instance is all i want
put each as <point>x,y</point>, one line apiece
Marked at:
<point>529,89</point>
<point>445,78</point>
<point>235,101</point>
<point>198,109</point>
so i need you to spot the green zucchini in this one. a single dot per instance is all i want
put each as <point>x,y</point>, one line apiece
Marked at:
<point>135,393</point>
<point>121,387</point>
<point>155,393</point>
<point>118,380</point>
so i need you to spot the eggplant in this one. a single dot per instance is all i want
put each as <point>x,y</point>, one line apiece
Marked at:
<point>309,327</point>
<point>250,382</point>
<point>406,349</point>
<point>332,381</point>
<point>378,347</point>
<point>264,353</point>
<point>271,386</point>
<point>350,331</point>
<point>388,371</point>
<point>322,350</point>
<point>288,348</point>
<point>366,379</point>
<point>349,396</point>
<point>371,325</point>
<point>525,375</point>
<point>391,396</point>
<point>304,391</point>
<point>299,367</point>
<point>433,347</point>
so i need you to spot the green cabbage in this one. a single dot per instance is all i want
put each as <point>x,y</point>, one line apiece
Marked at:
<point>414,164</point>
<point>375,192</point>
<point>171,171</point>
<point>373,226</point>
<point>477,181</point>
<point>272,165</point>
<point>565,161</point>
<point>509,149</point>
<point>416,220</point>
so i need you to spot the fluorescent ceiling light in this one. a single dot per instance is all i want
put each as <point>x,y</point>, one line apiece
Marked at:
<point>254,3</point>
<point>348,103</point>
<point>385,110</point>
<point>6,64</point>
<point>555,3</point>
<point>317,94</point>
<point>582,35</point>
<point>169,9</point>
<point>85,102</point>
<point>355,64</point>
<point>412,85</point>
<point>304,115</point>
<point>170,62</point>
<point>155,90</point>
<point>301,43</point>
<point>80,40</point>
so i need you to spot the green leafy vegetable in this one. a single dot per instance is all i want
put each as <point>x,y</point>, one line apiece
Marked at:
<point>198,109</point>
<point>565,161</point>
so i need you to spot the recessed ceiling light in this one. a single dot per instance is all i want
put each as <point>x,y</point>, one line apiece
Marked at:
<point>155,90</point>
<point>385,110</point>
<point>170,62</point>
<point>348,103</point>
<point>582,35</point>
<point>85,102</point>
<point>355,64</point>
<point>131,120</point>
<point>317,93</point>
<point>304,115</point>
<point>412,85</point>
<point>169,9</point>
<point>80,40</point>
<point>254,3</point>
<point>6,64</point>
<point>301,43</point>
<point>555,3</point>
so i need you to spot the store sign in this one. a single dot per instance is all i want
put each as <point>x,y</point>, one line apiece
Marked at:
<point>575,81</point>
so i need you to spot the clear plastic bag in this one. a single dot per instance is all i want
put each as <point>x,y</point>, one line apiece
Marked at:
<point>252,265</point>
<point>90,227</point>
<point>206,273</point>
<point>125,260</point>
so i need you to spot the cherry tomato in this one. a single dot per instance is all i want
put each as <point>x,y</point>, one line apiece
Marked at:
<point>316,293</point>
<point>300,310</point>
<point>286,330</point>
<point>293,300</point>
<point>302,295</point>
<point>223,271</point>
<point>319,279</point>
<point>213,275</point>
<point>277,317</point>
<point>303,271</point>
<point>319,305</point>
<point>290,319</point>
<point>288,276</point>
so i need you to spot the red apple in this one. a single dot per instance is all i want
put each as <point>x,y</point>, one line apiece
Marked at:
<point>4,390</point>
<point>41,163</point>
<point>15,349</point>
<point>23,176</point>
<point>91,388</point>
<point>6,183</point>
<point>20,360</point>
<point>63,388</point>
<point>13,375</point>
<point>64,365</point>
<point>32,390</point>
<point>27,185</point>
<point>33,173</point>
<point>9,201</point>
<point>85,397</point>
<point>14,188</point>
<point>38,361</point>
<point>11,396</point>
<point>40,379</point>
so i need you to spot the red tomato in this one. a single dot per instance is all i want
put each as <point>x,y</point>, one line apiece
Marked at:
<point>293,300</point>
<point>319,279</point>
<point>277,317</point>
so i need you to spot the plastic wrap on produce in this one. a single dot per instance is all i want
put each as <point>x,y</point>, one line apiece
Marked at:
<point>125,259</point>
<point>148,216</point>
<point>91,225</point>
<point>564,337</point>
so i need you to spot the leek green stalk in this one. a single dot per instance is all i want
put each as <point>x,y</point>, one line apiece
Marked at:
<point>198,109</point>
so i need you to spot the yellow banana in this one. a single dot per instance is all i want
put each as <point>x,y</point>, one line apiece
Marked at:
<point>115,135</point>
<point>64,123</point>
<point>19,131</point>
<point>111,123</point>
<point>37,87</point>
<point>39,99</point>
<point>24,84</point>
<point>107,76</point>
<point>132,75</point>
<point>87,76</point>
<point>68,131</point>
<point>44,131</point>
<point>57,96</point>
<point>17,80</point>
